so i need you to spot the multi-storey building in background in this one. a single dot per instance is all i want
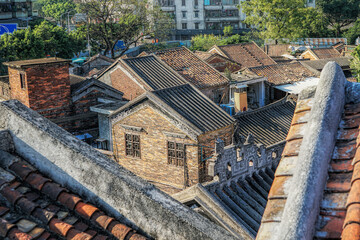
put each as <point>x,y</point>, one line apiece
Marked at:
<point>15,14</point>
<point>194,17</point>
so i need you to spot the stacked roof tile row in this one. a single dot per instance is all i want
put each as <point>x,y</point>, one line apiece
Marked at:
<point>246,54</point>
<point>192,68</point>
<point>322,53</point>
<point>32,206</point>
<point>154,72</point>
<point>269,125</point>
<point>284,73</point>
<point>195,107</point>
<point>246,199</point>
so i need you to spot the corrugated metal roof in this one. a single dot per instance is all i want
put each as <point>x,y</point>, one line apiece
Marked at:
<point>154,72</point>
<point>195,107</point>
<point>268,125</point>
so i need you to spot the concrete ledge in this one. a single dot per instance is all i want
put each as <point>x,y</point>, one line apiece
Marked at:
<point>86,171</point>
<point>303,203</point>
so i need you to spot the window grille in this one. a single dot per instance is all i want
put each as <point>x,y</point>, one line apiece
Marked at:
<point>132,144</point>
<point>176,153</point>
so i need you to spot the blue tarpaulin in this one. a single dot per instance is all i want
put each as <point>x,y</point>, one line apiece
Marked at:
<point>7,28</point>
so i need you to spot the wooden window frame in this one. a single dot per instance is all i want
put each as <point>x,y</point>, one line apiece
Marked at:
<point>175,153</point>
<point>132,151</point>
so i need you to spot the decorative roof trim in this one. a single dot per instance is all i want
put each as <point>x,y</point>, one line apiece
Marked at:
<point>174,135</point>
<point>132,128</point>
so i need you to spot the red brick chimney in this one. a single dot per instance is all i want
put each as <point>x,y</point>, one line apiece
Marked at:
<point>41,84</point>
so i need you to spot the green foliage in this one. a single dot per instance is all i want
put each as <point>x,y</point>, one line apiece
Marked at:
<point>339,13</point>
<point>228,31</point>
<point>149,47</point>
<point>45,39</point>
<point>283,19</point>
<point>355,63</point>
<point>352,33</point>
<point>112,20</point>
<point>206,41</point>
<point>55,8</point>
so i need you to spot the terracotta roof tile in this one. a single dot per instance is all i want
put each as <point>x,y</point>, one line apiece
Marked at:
<point>85,210</point>
<point>340,166</point>
<point>43,205</point>
<point>284,73</point>
<point>339,182</point>
<point>323,53</point>
<point>292,148</point>
<point>344,151</point>
<point>246,54</point>
<point>192,68</point>
<point>351,232</point>
<point>329,226</point>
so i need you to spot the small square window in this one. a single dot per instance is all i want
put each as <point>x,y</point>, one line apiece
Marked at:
<point>184,26</point>
<point>196,14</point>
<point>196,25</point>
<point>183,14</point>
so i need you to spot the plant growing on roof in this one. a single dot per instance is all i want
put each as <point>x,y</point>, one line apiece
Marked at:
<point>355,63</point>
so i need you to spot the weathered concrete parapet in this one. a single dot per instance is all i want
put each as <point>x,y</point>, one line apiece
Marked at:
<point>84,170</point>
<point>6,143</point>
<point>236,161</point>
<point>302,206</point>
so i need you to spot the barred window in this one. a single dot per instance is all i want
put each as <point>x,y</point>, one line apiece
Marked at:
<point>132,143</point>
<point>176,153</point>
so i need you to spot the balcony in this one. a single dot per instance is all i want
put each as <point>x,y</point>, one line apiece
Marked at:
<point>5,15</point>
<point>168,8</point>
<point>222,19</point>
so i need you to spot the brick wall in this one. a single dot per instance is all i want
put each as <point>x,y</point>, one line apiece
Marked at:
<point>153,165</point>
<point>16,91</point>
<point>48,86</point>
<point>125,84</point>
<point>222,90</point>
<point>208,139</point>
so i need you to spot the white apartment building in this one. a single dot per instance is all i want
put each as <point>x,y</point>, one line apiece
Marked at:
<point>194,17</point>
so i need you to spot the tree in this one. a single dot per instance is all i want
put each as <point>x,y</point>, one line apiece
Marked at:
<point>228,31</point>
<point>126,20</point>
<point>55,8</point>
<point>339,13</point>
<point>282,19</point>
<point>352,33</point>
<point>45,39</point>
<point>355,62</point>
<point>204,42</point>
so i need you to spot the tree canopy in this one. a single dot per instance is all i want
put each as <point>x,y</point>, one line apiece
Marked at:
<point>43,40</point>
<point>55,8</point>
<point>283,19</point>
<point>126,20</point>
<point>204,42</point>
<point>355,63</point>
<point>339,13</point>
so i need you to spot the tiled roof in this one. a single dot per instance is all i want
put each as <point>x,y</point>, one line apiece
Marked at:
<point>195,107</point>
<point>246,198</point>
<point>247,54</point>
<point>338,213</point>
<point>203,55</point>
<point>279,74</point>
<point>4,79</point>
<point>322,53</point>
<point>154,72</point>
<point>24,63</point>
<point>339,208</point>
<point>320,64</point>
<point>32,206</point>
<point>110,60</point>
<point>192,68</point>
<point>269,125</point>
<point>285,171</point>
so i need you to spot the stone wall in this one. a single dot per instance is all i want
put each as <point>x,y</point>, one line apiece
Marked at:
<point>84,170</point>
<point>153,163</point>
<point>222,91</point>
<point>4,88</point>
<point>237,161</point>
<point>6,143</point>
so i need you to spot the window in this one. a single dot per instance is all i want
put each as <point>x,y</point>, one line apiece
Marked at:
<point>132,143</point>
<point>183,3</point>
<point>196,2</point>
<point>183,14</point>
<point>196,14</point>
<point>176,153</point>
<point>196,25</point>
<point>184,26</point>
<point>22,80</point>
